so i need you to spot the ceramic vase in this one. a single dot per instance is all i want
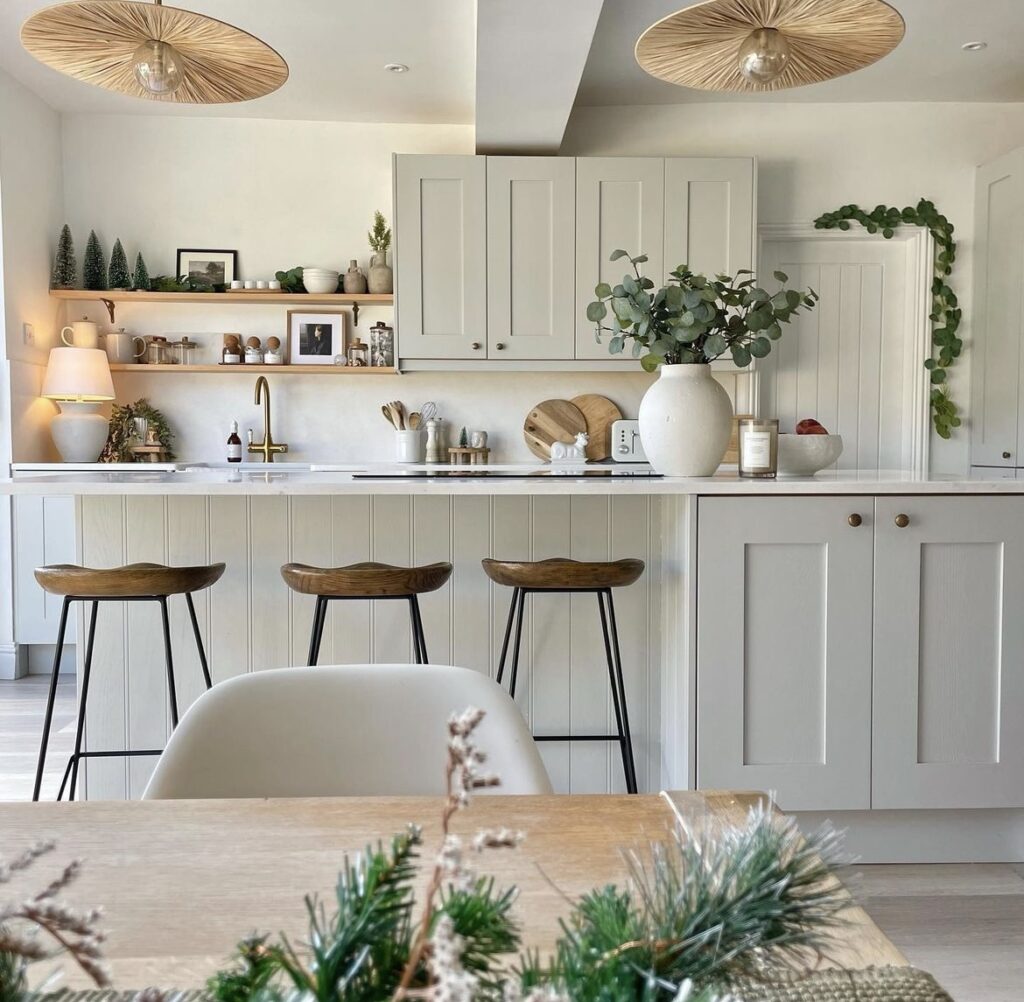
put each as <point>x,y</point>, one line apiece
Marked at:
<point>380,279</point>
<point>354,282</point>
<point>685,421</point>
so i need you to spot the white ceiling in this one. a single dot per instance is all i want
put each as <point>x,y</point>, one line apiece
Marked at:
<point>929,64</point>
<point>335,50</point>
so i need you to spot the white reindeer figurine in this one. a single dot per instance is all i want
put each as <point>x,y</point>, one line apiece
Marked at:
<point>575,453</point>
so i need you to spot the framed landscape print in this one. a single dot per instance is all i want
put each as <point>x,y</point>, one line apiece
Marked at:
<point>315,338</point>
<point>208,268</point>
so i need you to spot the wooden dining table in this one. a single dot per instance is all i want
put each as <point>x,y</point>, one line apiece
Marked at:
<point>181,882</point>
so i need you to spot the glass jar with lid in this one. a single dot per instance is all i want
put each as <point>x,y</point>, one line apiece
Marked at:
<point>358,353</point>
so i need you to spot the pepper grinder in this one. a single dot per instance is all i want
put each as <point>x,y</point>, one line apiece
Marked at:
<point>435,440</point>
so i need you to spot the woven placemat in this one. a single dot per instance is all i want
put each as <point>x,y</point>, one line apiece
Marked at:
<point>873,984</point>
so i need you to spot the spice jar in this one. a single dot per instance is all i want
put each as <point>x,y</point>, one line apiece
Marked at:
<point>157,352</point>
<point>759,447</point>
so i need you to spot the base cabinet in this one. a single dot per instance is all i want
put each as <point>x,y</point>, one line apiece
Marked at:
<point>44,533</point>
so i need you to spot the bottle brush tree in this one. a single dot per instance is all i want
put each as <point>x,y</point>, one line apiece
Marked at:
<point>65,267</point>
<point>380,235</point>
<point>118,275</point>
<point>94,269</point>
<point>141,278</point>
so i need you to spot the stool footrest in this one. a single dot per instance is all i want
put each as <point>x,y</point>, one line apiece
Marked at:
<point>579,737</point>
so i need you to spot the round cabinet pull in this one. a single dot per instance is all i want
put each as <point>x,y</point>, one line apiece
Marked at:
<point>475,346</point>
<point>500,346</point>
<point>1006,455</point>
<point>855,520</point>
<point>902,521</point>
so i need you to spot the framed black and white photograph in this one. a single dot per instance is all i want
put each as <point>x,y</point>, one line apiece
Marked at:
<point>208,268</point>
<point>315,338</point>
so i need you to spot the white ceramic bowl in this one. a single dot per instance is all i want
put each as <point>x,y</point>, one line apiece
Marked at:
<point>319,280</point>
<point>805,455</point>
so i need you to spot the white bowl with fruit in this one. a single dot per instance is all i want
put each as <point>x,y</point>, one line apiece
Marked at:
<point>809,451</point>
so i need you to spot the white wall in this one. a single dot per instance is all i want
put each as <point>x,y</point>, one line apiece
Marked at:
<point>815,158</point>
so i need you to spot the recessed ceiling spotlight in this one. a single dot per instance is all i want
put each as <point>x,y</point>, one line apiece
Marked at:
<point>396,68</point>
<point>974,46</point>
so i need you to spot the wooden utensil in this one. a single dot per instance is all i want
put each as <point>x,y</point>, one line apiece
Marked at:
<point>599,413</point>
<point>414,420</point>
<point>552,421</point>
<point>385,409</point>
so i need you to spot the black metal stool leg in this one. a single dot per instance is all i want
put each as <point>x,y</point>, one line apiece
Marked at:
<point>169,661</point>
<point>628,760</point>
<point>515,648</point>
<point>419,637</point>
<point>82,700</point>
<point>508,634</point>
<point>51,697</point>
<point>613,684</point>
<point>199,641</point>
<point>316,634</point>
<point>417,654</point>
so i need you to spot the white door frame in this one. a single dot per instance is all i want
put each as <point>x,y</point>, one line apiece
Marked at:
<point>920,255</point>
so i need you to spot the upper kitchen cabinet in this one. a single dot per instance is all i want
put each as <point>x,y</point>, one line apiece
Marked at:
<point>531,238</point>
<point>997,418</point>
<point>441,256</point>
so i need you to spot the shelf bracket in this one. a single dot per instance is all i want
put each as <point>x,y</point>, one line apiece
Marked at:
<point>109,304</point>
<point>355,314</point>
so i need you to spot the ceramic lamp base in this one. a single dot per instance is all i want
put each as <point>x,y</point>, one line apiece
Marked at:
<point>79,431</point>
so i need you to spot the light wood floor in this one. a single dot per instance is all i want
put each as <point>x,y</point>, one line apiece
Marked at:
<point>963,923</point>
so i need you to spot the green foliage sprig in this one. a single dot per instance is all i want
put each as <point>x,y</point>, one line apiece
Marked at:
<point>694,319</point>
<point>122,432</point>
<point>946,314</point>
<point>291,280</point>
<point>380,236</point>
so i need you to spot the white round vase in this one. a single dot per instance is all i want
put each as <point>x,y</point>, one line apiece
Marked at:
<point>685,421</point>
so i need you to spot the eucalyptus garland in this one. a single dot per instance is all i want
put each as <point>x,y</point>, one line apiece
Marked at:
<point>946,314</point>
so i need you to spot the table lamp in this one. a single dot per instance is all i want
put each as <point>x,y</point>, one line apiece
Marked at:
<point>78,379</point>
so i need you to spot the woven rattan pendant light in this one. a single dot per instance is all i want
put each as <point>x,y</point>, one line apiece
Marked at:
<point>802,41</point>
<point>201,61</point>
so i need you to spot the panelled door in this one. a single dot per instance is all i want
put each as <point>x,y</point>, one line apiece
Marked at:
<point>784,649</point>
<point>948,725</point>
<point>531,237</point>
<point>620,204</point>
<point>441,256</point>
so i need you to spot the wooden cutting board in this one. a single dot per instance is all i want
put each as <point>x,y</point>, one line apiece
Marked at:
<point>599,413</point>
<point>552,421</point>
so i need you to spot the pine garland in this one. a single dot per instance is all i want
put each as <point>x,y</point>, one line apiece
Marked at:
<point>65,267</point>
<point>946,314</point>
<point>118,275</point>
<point>94,268</point>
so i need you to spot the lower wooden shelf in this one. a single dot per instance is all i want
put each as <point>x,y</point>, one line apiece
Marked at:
<point>284,370</point>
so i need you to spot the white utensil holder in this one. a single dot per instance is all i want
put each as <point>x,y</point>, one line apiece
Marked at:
<point>410,445</point>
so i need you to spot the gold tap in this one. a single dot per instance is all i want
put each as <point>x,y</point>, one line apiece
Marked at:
<point>268,447</point>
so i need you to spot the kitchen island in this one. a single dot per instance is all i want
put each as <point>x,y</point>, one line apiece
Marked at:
<point>851,641</point>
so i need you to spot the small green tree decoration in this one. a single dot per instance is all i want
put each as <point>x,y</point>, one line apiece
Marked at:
<point>380,235</point>
<point>65,267</point>
<point>140,280</point>
<point>94,268</point>
<point>694,319</point>
<point>946,313</point>
<point>118,276</point>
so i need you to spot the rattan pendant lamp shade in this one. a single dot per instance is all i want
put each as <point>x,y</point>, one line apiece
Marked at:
<point>97,41</point>
<point>699,46</point>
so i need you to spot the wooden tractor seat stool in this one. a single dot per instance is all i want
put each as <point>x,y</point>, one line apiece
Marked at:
<point>134,583</point>
<point>562,575</point>
<point>366,581</point>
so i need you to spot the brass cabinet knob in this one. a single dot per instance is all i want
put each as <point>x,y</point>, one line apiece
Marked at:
<point>500,346</point>
<point>1006,455</point>
<point>855,520</point>
<point>902,521</point>
<point>475,346</point>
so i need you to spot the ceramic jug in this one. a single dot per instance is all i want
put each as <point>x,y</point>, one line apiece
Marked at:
<point>380,279</point>
<point>82,333</point>
<point>354,281</point>
<point>123,347</point>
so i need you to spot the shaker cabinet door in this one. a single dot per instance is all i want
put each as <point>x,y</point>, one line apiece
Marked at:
<point>948,724</point>
<point>784,649</point>
<point>44,533</point>
<point>441,256</point>
<point>531,213</point>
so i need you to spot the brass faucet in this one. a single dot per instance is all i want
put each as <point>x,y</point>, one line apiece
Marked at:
<point>268,447</point>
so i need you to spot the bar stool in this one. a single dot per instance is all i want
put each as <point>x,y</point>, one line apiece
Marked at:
<point>367,580</point>
<point>133,583</point>
<point>562,575</point>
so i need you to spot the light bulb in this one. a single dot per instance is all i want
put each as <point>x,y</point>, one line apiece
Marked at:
<point>763,56</point>
<point>158,67</point>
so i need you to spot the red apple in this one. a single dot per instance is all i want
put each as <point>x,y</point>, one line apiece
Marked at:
<point>810,427</point>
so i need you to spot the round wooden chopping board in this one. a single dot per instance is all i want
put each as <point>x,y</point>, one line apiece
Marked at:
<point>552,421</point>
<point>599,413</point>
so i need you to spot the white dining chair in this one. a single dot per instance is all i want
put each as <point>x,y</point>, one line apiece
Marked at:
<point>351,730</point>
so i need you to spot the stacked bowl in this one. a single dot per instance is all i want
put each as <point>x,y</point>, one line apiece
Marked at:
<point>319,280</point>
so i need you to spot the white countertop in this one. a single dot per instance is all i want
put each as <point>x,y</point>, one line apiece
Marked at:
<point>243,480</point>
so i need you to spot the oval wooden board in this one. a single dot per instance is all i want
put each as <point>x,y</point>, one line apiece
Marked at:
<point>599,413</point>
<point>552,421</point>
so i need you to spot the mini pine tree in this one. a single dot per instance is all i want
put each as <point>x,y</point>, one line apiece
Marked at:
<point>118,276</point>
<point>463,439</point>
<point>141,279</point>
<point>65,267</point>
<point>94,270</point>
<point>380,235</point>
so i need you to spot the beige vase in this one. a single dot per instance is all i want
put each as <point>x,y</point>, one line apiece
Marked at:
<point>380,278</point>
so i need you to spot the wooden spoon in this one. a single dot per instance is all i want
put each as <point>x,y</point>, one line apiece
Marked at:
<point>385,409</point>
<point>414,420</point>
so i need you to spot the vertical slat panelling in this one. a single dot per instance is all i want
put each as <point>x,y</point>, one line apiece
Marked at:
<point>470,592</point>
<point>392,544</point>
<point>869,405</point>
<point>848,360</point>
<point>510,540</point>
<point>102,545</point>
<point>230,598</point>
<point>348,623</point>
<point>269,639</point>
<point>311,527</point>
<point>551,642</point>
<point>432,543</point>
<point>808,335</point>
<point>829,313</point>
<point>589,703</point>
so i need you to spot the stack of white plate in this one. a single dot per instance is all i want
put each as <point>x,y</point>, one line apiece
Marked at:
<point>319,280</point>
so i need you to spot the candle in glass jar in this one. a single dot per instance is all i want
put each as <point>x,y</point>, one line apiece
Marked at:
<point>759,447</point>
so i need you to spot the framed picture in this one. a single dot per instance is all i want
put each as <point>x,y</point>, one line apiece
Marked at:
<point>315,338</point>
<point>208,267</point>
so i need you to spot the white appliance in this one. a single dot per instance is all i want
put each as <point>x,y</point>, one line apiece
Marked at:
<point>626,445</point>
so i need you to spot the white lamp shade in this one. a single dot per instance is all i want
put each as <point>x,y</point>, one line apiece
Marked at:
<point>78,374</point>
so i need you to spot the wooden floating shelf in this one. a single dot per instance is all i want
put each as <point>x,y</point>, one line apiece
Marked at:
<point>254,370</point>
